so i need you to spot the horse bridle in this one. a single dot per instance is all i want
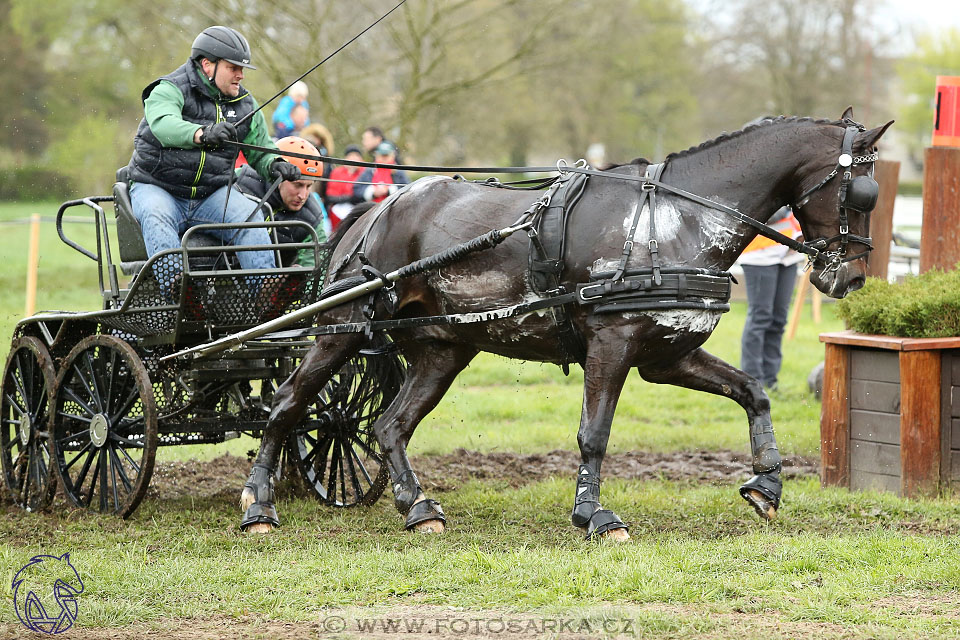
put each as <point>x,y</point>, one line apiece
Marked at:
<point>859,194</point>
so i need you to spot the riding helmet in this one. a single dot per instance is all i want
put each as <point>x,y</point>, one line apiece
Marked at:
<point>309,168</point>
<point>222,43</point>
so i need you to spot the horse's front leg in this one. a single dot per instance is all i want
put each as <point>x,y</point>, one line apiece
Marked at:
<point>290,402</point>
<point>704,372</point>
<point>605,370</point>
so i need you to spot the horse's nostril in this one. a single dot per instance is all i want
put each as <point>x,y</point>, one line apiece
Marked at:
<point>856,283</point>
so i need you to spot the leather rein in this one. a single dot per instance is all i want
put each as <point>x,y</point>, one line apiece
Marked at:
<point>816,250</point>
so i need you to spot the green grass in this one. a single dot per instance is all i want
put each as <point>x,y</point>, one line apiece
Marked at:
<point>830,559</point>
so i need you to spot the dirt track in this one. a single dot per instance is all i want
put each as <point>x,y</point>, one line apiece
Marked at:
<point>447,472</point>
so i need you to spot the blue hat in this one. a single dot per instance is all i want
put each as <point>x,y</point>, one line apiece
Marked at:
<point>385,148</point>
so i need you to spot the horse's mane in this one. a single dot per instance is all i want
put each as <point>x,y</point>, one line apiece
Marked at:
<point>752,126</point>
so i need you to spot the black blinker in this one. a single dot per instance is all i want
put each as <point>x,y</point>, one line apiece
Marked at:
<point>862,194</point>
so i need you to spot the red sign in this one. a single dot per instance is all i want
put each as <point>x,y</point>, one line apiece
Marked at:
<point>946,116</point>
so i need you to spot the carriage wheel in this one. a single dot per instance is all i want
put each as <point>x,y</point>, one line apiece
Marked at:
<point>334,447</point>
<point>104,426</point>
<point>28,382</point>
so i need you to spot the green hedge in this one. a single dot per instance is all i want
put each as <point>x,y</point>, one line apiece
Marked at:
<point>925,306</point>
<point>905,188</point>
<point>34,183</point>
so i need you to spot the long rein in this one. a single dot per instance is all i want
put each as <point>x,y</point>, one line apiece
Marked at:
<point>808,248</point>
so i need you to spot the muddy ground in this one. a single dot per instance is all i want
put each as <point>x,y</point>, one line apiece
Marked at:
<point>447,472</point>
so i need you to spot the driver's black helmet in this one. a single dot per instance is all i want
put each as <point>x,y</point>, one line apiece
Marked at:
<point>222,43</point>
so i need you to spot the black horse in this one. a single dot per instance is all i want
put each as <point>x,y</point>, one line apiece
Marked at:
<point>798,161</point>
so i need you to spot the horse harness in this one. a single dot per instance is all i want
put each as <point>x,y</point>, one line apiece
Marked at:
<point>657,288</point>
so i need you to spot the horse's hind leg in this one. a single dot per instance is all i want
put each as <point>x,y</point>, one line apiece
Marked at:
<point>433,367</point>
<point>704,372</point>
<point>604,373</point>
<point>290,403</point>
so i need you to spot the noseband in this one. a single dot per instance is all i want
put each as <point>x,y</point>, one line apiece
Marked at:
<point>859,194</point>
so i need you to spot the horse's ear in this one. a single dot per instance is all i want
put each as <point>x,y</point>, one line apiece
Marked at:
<point>868,139</point>
<point>847,114</point>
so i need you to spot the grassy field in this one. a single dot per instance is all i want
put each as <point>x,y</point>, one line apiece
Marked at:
<point>834,565</point>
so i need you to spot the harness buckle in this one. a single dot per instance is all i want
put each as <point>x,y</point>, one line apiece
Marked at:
<point>647,186</point>
<point>654,247</point>
<point>844,229</point>
<point>628,246</point>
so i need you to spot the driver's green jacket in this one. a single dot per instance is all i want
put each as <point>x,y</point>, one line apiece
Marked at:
<point>163,109</point>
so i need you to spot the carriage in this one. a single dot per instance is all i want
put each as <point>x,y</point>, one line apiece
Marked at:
<point>87,398</point>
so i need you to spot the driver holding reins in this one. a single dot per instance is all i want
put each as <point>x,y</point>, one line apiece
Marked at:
<point>181,167</point>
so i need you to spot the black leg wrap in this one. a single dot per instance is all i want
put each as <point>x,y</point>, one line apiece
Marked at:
<point>602,521</point>
<point>406,489</point>
<point>766,456</point>
<point>423,511</point>
<point>587,500</point>
<point>767,485</point>
<point>262,510</point>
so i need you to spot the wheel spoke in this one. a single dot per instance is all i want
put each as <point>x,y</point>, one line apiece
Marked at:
<point>363,467</point>
<point>111,380</point>
<point>73,396</point>
<point>332,476</point>
<point>86,385</point>
<point>136,444</point>
<point>85,448</point>
<point>354,479</point>
<point>133,463</point>
<point>320,460</point>
<point>13,403</point>
<point>104,481</point>
<point>82,476</point>
<point>118,465</point>
<point>13,442</point>
<point>370,451</point>
<point>113,478</point>
<point>95,385</point>
<point>126,406</point>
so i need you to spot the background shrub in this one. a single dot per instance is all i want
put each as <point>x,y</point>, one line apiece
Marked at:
<point>925,306</point>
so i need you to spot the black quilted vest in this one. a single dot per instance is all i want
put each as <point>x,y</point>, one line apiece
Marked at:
<point>190,173</point>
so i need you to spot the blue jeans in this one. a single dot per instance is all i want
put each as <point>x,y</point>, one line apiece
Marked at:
<point>769,290</point>
<point>164,219</point>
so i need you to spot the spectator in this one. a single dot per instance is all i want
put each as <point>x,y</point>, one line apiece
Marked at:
<point>375,184</point>
<point>283,120</point>
<point>769,273</point>
<point>340,197</point>
<point>371,139</point>
<point>180,165</point>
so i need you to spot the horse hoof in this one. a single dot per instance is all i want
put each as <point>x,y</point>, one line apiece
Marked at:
<point>247,498</point>
<point>430,526</point>
<point>761,504</point>
<point>260,527</point>
<point>617,535</point>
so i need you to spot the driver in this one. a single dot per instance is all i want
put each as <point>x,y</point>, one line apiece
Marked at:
<point>180,167</point>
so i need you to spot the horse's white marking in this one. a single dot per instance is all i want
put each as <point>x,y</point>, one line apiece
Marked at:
<point>602,265</point>
<point>668,222</point>
<point>692,320</point>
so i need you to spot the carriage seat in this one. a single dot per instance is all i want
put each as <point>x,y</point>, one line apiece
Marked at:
<point>133,251</point>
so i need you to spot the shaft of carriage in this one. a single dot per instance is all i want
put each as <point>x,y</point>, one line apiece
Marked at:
<point>479,243</point>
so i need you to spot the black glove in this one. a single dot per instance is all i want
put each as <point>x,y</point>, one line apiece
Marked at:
<point>283,169</point>
<point>213,135</point>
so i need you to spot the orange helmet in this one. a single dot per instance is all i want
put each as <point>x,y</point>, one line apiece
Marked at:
<point>309,168</point>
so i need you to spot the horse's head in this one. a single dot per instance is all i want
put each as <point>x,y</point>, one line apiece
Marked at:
<point>834,197</point>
